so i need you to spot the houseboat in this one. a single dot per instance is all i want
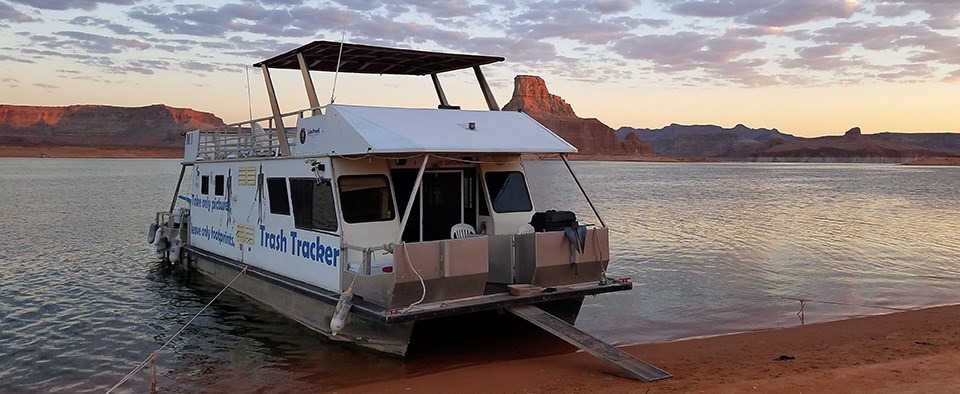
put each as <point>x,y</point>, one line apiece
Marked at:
<point>360,222</point>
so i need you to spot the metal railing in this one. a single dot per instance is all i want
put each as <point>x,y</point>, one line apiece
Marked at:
<point>247,138</point>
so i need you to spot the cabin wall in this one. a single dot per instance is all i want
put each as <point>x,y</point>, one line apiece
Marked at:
<point>368,232</point>
<point>498,223</point>
<point>241,223</point>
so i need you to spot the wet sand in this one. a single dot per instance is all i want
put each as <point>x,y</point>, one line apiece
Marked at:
<point>905,352</point>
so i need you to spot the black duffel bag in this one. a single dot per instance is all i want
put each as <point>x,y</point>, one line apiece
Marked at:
<point>553,220</point>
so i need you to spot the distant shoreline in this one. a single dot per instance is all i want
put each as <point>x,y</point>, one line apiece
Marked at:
<point>116,152</point>
<point>90,152</point>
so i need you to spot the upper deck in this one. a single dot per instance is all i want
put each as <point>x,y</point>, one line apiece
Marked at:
<point>343,130</point>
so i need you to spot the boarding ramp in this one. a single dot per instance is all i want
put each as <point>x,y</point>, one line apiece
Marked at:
<point>634,367</point>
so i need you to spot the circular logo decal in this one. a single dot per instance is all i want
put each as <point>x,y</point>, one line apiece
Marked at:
<point>303,136</point>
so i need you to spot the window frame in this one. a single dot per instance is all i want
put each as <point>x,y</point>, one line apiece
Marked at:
<point>333,206</point>
<point>392,208</point>
<point>286,195</point>
<point>219,185</point>
<point>492,199</point>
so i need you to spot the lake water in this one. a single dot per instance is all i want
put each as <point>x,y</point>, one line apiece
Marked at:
<point>711,248</point>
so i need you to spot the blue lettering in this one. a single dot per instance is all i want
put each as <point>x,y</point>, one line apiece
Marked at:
<point>328,252</point>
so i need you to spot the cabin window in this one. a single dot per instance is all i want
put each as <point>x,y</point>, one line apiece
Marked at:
<point>205,184</point>
<point>277,190</point>
<point>508,191</point>
<point>313,207</point>
<point>365,198</point>
<point>218,185</point>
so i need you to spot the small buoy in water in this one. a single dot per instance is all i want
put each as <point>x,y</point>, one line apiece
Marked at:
<point>339,319</point>
<point>152,233</point>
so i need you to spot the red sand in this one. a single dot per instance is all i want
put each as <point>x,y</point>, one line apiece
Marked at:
<point>906,352</point>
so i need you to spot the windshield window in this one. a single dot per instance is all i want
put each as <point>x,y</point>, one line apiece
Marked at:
<point>508,191</point>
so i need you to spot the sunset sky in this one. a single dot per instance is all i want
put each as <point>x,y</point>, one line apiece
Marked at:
<point>805,67</point>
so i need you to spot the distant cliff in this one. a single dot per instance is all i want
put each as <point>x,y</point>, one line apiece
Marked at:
<point>590,136</point>
<point>707,140</point>
<point>100,125</point>
<point>856,147</point>
<point>744,143</point>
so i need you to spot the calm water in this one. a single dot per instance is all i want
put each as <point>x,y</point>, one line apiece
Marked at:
<point>711,248</point>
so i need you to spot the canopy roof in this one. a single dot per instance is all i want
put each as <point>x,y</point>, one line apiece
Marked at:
<point>353,130</point>
<point>368,59</point>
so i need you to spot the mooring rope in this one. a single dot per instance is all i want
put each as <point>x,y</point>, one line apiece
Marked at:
<point>153,356</point>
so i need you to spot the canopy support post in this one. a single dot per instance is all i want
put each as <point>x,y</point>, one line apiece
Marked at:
<point>563,156</point>
<point>440,94</point>
<point>277,117</point>
<point>308,84</point>
<point>413,195</point>
<point>485,88</point>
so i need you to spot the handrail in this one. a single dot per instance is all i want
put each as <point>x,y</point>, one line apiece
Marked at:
<point>234,140</point>
<point>265,118</point>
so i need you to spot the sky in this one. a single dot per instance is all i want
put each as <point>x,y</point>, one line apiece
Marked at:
<point>805,67</point>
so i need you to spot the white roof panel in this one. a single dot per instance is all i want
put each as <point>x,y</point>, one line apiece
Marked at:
<point>358,130</point>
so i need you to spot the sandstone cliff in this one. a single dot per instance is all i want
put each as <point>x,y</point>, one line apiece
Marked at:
<point>100,125</point>
<point>853,147</point>
<point>590,136</point>
<point>707,140</point>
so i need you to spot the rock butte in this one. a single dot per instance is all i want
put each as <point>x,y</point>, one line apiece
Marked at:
<point>590,136</point>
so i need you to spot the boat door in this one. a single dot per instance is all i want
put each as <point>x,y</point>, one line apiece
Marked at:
<point>441,203</point>
<point>446,197</point>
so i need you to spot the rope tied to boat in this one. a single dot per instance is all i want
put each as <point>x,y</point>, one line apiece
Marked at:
<point>152,358</point>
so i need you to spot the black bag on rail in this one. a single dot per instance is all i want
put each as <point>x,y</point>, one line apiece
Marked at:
<point>553,220</point>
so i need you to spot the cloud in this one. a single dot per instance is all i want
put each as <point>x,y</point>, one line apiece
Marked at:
<point>571,26</point>
<point>765,12</point>
<point>114,27</point>
<point>755,31</point>
<point>824,58</point>
<point>95,43</point>
<point>954,77</point>
<point>925,44</point>
<point>46,85</point>
<point>910,72</point>
<point>942,13</point>
<point>795,12</point>
<point>5,58</point>
<point>8,13</point>
<point>205,21</point>
<point>88,5</point>
<point>611,6</point>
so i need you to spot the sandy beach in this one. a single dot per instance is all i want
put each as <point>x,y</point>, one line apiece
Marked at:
<point>904,352</point>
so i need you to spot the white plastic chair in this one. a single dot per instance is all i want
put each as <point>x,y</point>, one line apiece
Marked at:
<point>461,230</point>
<point>525,228</point>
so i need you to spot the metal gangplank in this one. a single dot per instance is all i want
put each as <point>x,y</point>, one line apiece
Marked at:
<point>632,366</point>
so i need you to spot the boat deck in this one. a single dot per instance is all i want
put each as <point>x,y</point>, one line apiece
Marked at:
<point>496,296</point>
